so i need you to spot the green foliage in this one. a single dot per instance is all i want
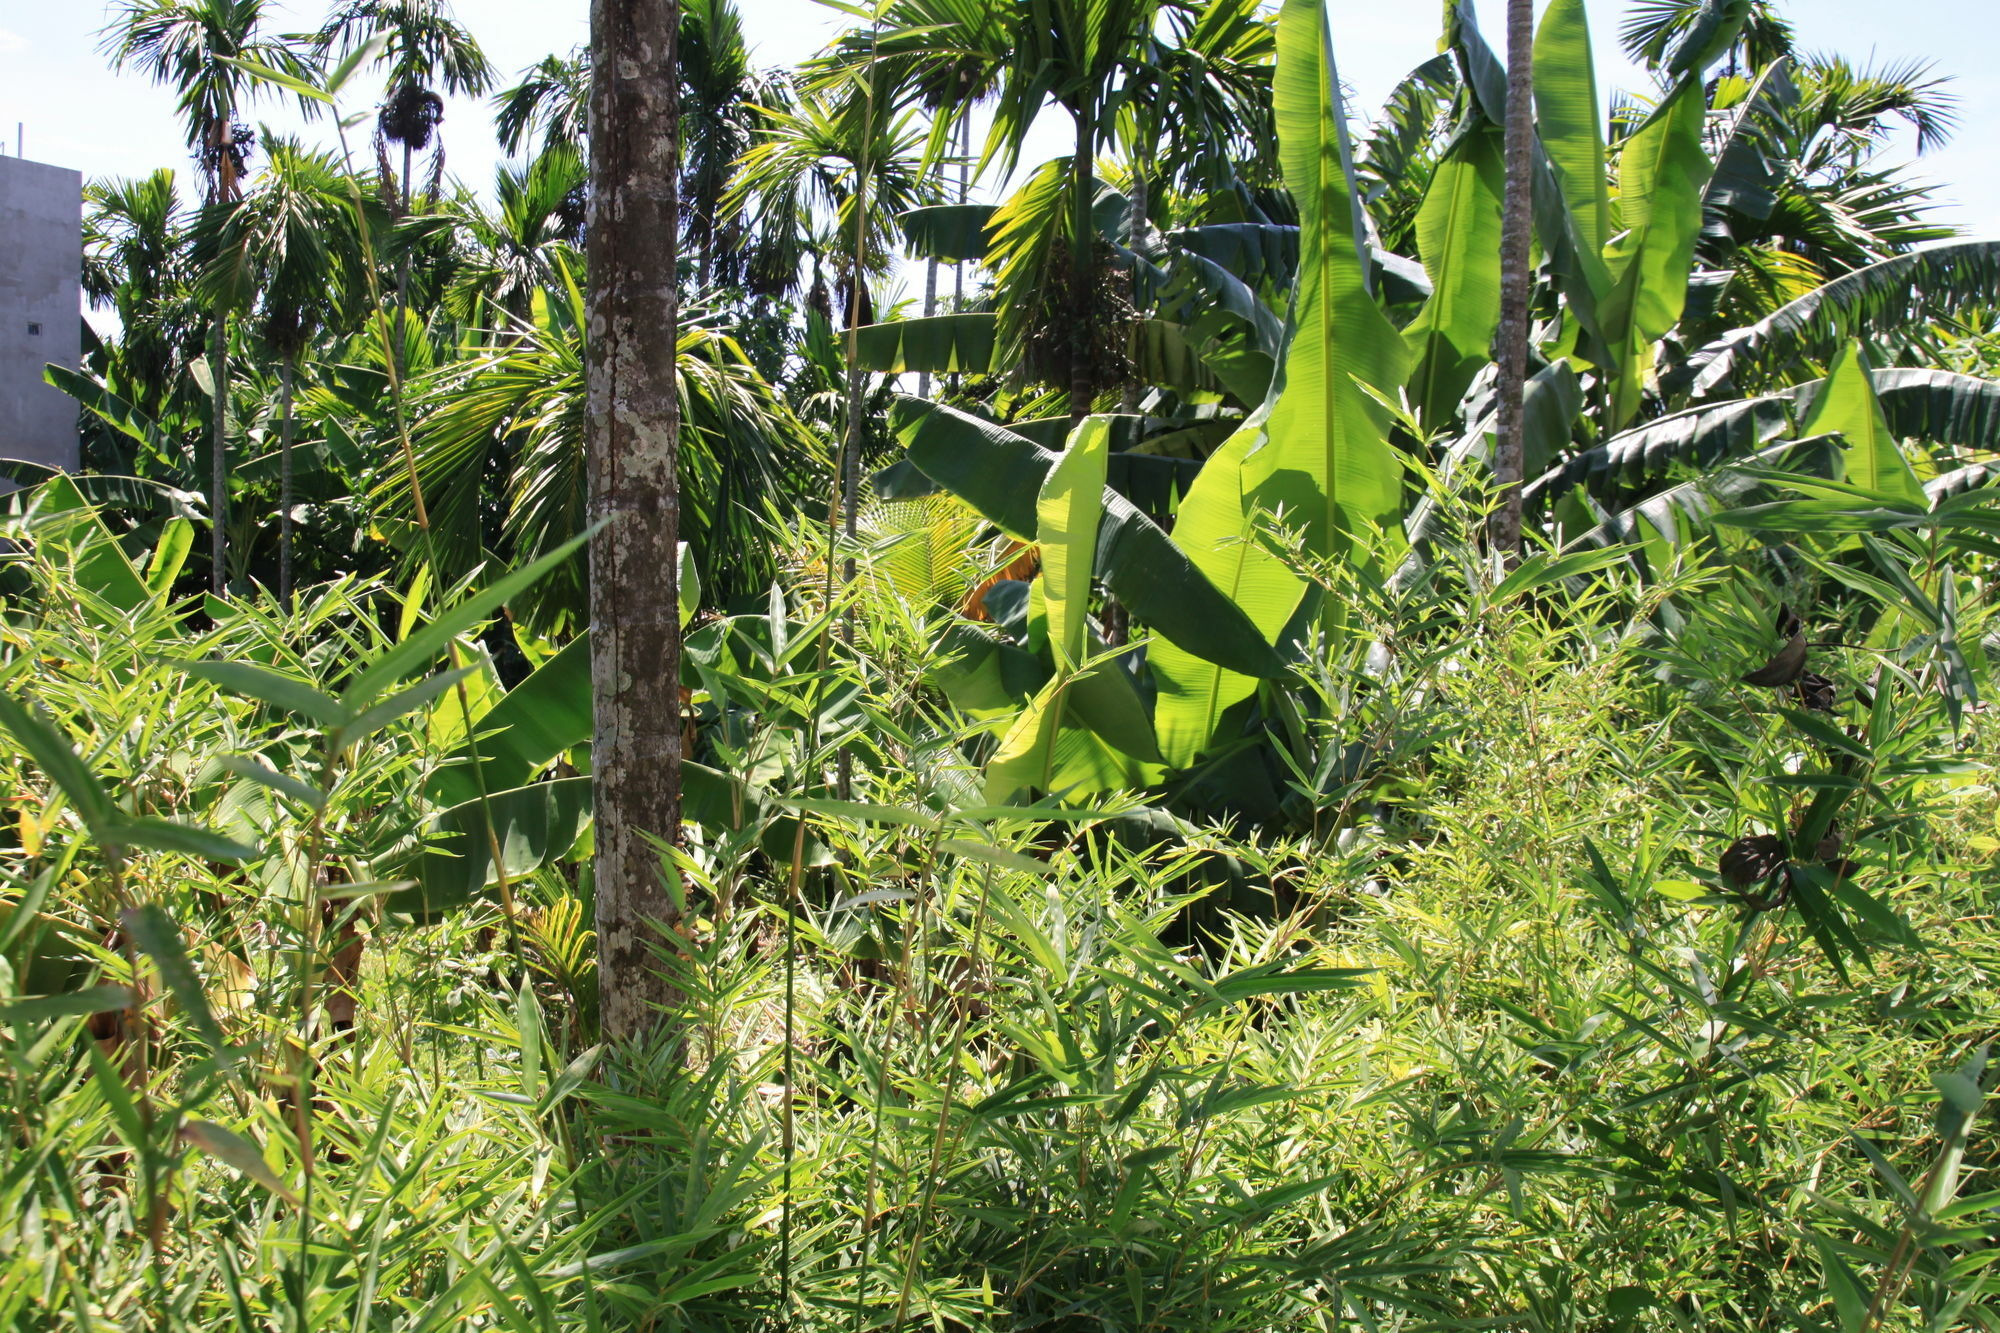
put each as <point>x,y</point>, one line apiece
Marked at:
<point>1147,869</point>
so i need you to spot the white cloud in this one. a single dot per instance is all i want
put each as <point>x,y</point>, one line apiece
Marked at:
<point>12,43</point>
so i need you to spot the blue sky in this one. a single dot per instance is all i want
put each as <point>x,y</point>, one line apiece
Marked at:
<point>75,112</point>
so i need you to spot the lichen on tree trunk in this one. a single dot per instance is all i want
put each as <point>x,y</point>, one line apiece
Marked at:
<point>1504,528</point>
<point>634,432</point>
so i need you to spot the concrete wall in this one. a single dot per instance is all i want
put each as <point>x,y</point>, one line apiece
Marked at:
<point>41,266</point>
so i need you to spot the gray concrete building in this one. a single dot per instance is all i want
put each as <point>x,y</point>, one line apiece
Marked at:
<point>41,310</point>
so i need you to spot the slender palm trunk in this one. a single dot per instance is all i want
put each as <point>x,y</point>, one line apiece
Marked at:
<point>403,265</point>
<point>930,308</point>
<point>1137,205</point>
<point>1082,266</point>
<point>1504,528</point>
<point>287,371</point>
<point>964,194</point>
<point>850,448</point>
<point>218,488</point>
<point>634,436</point>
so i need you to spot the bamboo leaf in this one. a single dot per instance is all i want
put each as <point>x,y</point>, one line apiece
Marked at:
<point>237,1153</point>
<point>51,752</point>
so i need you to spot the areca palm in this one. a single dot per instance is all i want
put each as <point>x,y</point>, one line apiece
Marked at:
<point>839,161</point>
<point>135,264</point>
<point>424,47</point>
<point>524,244</point>
<point>290,254</point>
<point>548,108</point>
<point>500,454</point>
<point>194,47</point>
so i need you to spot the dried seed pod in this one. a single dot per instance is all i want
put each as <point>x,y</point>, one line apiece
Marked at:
<point>1816,692</point>
<point>1748,862</point>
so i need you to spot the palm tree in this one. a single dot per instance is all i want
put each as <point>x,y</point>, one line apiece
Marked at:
<point>135,264</point>
<point>192,46</point>
<point>835,162</point>
<point>289,253</point>
<point>724,101</point>
<point>548,108</point>
<point>528,243</point>
<point>634,490</point>
<point>500,456</point>
<point>423,47</point>
<point>1657,33</point>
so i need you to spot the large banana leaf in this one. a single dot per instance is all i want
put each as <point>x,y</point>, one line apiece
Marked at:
<point>542,823</point>
<point>1904,293</point>
<point>939,344</point>
<point>1577,265</point>
<point>1319,450</point>
<point>1038,752</point>
<point>1703,437</point>
<point>1458,235</point>
<point>532,826</point>
<point>1661,174</point>
<point>1067,514</point>
<point>1938,407</point>
<point>1668,522</point>
<point>1846,406</point>
<point>66,529</point>
<point>1568,120</point>
<point>1001,474</point>
<point>537,720</point>
<point>1266,255</point>
<point>950,233</point>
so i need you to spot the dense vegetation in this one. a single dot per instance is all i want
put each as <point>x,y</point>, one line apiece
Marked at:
<point>1156,853</point>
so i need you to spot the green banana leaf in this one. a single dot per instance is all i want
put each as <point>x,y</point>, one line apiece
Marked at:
<point>1847,406</point>
<point>1904,292</point>
<point>1662,172</point>
<point>1938,407</point>
<point>1319,449</point>
<point>1458,235</point>
<point>1576,264</point>
<point>1568,119</point>
<point>1066,521</point>
<point>534,826</point>
<point>939,344</point>
<point>948,233</point>
<point>1001,474</point>
<point>67,530</point>
<point>537,720</point>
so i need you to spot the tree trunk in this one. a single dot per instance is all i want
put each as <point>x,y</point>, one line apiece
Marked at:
<point>218,486</point>
<point>634,435</point>
<point>1137,206</point>
<point>287,370</point>
<point>930,308</point>
<point>964,194</point>
<point>1082,265</point>
<point>402,270</point>
<point>1504,528</point>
